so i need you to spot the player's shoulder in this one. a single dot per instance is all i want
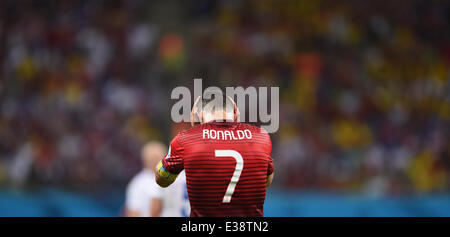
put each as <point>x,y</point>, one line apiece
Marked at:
<point>190,130</point>
<point>182,135</point>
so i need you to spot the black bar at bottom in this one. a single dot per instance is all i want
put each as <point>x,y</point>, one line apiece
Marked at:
<point>226,226</point>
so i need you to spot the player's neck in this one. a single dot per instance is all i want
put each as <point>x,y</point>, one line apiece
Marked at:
<point>217,117</point>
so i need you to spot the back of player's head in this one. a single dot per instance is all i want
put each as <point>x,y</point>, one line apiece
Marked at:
<point>214,100</point>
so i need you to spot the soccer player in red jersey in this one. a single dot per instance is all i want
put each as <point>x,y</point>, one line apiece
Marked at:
<point>227,163</point>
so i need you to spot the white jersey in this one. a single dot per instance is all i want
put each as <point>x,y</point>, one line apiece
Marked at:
<point>175,198</point>
<point>143,188</point>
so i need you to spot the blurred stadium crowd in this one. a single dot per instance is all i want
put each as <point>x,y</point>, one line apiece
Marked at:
<point>364,86</point>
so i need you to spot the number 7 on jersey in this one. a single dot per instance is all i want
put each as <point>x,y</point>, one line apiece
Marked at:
<point>236,174</point>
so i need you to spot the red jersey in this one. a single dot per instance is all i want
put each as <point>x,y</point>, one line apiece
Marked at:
<point>226,166</point>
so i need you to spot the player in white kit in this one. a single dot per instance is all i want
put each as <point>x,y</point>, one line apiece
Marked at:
<point>145,198</point>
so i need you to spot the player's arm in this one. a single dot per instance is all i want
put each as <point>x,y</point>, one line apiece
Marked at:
<point>156,207</point>
<point>171,165</point>
<point>168,168</point>
<point>163,177</point>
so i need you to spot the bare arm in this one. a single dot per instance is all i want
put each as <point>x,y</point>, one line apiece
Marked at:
<point>156,207</point>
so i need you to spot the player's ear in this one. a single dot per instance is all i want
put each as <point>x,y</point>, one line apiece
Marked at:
<point>195,113</point>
